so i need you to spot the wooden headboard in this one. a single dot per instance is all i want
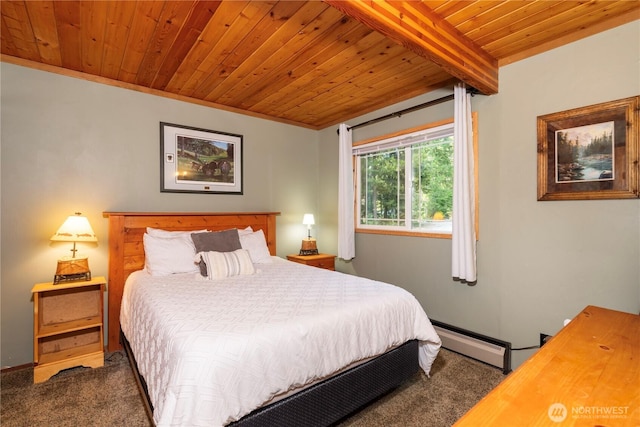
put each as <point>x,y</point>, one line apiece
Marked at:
<point>126,250</point>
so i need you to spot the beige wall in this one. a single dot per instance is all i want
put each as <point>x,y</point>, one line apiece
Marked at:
<point>72,145</point>
<point>538,262</point>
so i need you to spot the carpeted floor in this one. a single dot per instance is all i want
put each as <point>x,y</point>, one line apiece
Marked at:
<point>108,396</point>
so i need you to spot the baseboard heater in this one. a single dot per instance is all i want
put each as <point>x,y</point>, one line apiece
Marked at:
<point>489,350</point>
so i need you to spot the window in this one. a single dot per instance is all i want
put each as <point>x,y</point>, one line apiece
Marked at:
<point>404,183</point>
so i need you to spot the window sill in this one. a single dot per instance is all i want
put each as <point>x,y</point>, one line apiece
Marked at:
<point>404,233</point>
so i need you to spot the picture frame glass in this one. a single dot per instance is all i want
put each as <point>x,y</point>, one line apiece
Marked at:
<point>585,153</point>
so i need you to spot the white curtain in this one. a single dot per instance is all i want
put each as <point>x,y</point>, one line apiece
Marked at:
<point>346,231</point>
<point>463,265</point>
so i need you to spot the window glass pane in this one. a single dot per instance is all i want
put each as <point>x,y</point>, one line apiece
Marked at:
<point>405,182</point>
<point>382,184</point>
<point>432,185</point>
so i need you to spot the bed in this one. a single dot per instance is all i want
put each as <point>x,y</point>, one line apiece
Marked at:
<point>256,348</point>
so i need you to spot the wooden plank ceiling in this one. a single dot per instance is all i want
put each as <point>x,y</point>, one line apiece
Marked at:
<point>312,64</point>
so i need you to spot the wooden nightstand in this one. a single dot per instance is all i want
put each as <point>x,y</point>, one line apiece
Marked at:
<point>325,261</point>
<point>68,328</point>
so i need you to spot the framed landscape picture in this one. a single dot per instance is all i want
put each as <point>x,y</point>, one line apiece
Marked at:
<point>590,152</point>
<point>195,160</point>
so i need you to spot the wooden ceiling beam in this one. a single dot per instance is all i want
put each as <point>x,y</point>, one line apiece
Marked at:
<point>419,29</point>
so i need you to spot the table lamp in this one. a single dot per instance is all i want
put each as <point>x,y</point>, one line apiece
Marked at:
<point>308,244</point>
<point>76,228</point>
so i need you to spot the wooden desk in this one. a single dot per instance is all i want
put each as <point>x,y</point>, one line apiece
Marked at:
<point>588,374</point>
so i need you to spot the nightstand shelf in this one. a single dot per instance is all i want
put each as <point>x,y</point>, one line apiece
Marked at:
<point>74,325</point>
<point>68,328</point>
<point>69,356</point>
<point>325,261</point>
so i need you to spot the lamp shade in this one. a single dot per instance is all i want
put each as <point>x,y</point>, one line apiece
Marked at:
<point>76,228</point>
<point>308,219</point>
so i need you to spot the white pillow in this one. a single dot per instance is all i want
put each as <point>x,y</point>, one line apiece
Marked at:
<point>247,230</point>
<point>157,232</point>
<point>226,264</point>
<point>256,244</point>
<point>169,255</point>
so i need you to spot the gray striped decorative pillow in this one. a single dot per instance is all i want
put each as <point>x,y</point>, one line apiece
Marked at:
<point>226,264</point>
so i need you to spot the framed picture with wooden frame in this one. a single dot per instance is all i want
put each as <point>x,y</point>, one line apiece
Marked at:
<point>195,160</point>
<point>590,152</point>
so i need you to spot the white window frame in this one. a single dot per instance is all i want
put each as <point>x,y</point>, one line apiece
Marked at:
<point>404,139</point>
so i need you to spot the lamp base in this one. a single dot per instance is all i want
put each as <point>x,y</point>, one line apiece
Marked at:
<point>309,247</point>
<point>72,270</point>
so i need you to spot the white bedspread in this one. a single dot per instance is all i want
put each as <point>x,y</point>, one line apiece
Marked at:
<point>213,351</point>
